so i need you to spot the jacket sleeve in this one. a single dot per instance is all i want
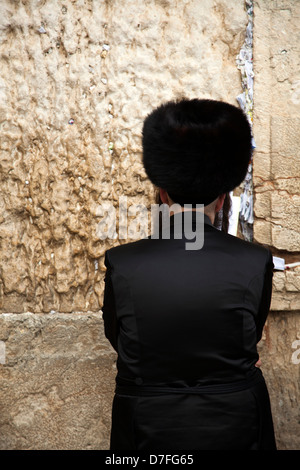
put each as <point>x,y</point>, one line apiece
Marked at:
<point>109,307</point>
<point>265,302</point>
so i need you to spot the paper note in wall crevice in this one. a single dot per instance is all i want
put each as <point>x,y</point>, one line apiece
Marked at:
<point>279,264</point>
<point>234,214</point>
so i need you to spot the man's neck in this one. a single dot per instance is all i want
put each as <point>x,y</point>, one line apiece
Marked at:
<point>210,214</point>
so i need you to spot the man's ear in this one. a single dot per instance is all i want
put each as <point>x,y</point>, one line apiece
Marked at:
<point>220,202</point>
<point>163,196</point>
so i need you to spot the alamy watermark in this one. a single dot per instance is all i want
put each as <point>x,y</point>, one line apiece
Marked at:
<point>296,354</point>
<point>2,352</point>
<point>136,222</point>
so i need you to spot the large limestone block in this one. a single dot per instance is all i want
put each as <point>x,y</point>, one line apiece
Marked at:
<point>285,146</point>
<point>77,80</point>
<point>286,290</point>
<point>279,352</point>
<point>276,127</point>
<point>57,381</point>
<point>286,220</point>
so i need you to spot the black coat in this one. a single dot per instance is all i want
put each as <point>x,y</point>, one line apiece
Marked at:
<point>185,324</point>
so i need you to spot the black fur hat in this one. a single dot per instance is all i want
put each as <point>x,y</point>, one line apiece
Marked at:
<point>196,149</point>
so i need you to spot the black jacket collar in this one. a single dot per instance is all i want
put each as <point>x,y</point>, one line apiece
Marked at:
<point>195,217</point>
<point>179,224</point>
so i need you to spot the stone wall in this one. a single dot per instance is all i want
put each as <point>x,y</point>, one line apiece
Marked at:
<point>77,79</point>
<point>276,173</point>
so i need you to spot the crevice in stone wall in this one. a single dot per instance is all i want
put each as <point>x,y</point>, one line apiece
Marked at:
<point>244,62</point>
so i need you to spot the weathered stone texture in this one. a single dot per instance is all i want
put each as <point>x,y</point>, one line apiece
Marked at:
<point>104,65</point>
<point>276,173</point>
<point>277,124</point>
<point>286,290</point>
<point>57,382</point>
<point>276,166</point>
<point>77,79</point>
<point>279,352</point>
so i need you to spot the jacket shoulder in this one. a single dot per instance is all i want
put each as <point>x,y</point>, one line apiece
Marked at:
<point>253,252</point>
<point>124,252</point>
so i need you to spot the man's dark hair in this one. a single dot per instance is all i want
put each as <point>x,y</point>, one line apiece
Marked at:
<point>196,149</point>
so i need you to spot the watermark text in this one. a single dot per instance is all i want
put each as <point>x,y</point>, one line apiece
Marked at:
<point>136,222</point>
